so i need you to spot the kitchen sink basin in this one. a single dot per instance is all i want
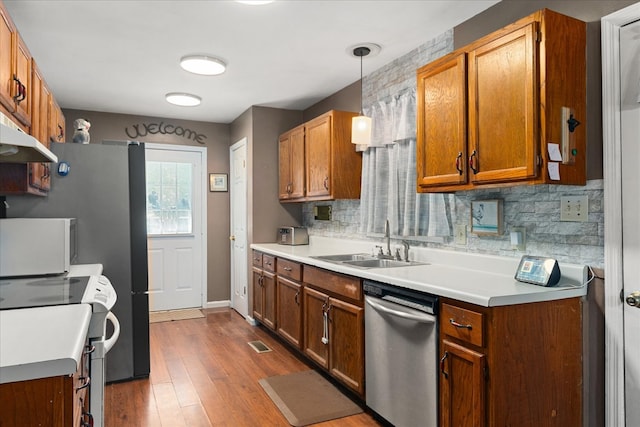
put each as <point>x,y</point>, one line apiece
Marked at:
<point>365,261</point>
<point>345,257</point>
<point>381,263</point>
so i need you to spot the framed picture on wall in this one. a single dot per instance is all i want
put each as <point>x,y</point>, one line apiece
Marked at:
<point>486,217</point>
<point>218,182</point>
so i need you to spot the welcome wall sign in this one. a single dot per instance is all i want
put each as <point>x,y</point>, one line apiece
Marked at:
<point>141,130</point>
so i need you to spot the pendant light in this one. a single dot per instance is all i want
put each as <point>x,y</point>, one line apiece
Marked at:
<point>361,125</point>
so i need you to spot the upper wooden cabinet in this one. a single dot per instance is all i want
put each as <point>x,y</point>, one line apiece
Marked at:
<point>330,167</point>
<point>487,112</point>
<point>291,158</point>
<point>15,71</point>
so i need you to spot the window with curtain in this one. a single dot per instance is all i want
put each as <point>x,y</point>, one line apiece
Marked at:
<point>389,176</point>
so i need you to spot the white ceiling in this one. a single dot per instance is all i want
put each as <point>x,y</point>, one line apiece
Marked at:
<point>122,56</point>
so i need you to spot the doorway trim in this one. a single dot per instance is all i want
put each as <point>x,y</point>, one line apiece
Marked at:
<point>612,160</point>
<point>203,208</point>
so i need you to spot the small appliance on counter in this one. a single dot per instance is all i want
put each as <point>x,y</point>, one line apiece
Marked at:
<point>293,236</point>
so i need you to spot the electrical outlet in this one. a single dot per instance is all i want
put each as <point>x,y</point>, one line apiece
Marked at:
<point>460,232</point>
<point>574,208</point>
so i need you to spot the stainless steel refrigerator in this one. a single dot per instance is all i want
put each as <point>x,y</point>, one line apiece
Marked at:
<point>105,191</point>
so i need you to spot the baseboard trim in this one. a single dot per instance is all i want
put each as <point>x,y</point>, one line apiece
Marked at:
<point>217,304</point>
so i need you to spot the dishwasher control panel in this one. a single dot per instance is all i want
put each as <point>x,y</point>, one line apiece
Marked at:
<point>414,299</point>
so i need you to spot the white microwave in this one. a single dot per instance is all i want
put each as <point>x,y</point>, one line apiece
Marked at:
<point>37,246</point>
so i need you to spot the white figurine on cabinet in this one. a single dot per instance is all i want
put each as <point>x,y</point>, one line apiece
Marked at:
<point>81,131</point>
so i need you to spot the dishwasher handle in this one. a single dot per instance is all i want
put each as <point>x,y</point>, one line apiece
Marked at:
<point>426,318</point>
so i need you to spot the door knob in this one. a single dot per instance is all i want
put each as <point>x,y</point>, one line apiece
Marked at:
<point>633,299</point>
<point>232,238</point>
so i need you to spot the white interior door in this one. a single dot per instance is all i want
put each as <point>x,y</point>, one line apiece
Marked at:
<point>175,226</point>
<point>621,131</point>
<point>238,236</point>
<point>630,136</point>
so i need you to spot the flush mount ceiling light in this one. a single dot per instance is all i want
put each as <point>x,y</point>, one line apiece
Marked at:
<point>361,124</point>
<point>255,2</point>
<point>203,64</point>
<point>183,99</point>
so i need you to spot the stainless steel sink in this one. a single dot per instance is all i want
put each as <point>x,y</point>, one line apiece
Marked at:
<point>365,261</point>
<point>381,263</point>
<point>345,257</point>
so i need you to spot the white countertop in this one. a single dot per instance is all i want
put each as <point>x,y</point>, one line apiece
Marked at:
<point>42,342</point>
<point>484,280</point>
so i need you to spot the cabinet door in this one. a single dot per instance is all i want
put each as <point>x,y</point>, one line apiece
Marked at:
<point>314,305</point>
<point>441,150</point>
<point>56,121</point>
<point>291,164</point>
<point>269,295</point>
<point>6,59</point>
<point>258,295</point>
<point>503,117</point>
<point>462,386</point>
<point>289,311</point>
<point>346,342</point>
<point>23,74</point>
<point>318,150</point>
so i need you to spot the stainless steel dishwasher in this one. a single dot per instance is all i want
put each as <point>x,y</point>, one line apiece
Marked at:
<point>401,364</point>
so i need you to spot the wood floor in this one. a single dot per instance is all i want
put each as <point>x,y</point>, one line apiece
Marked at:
<point>203,373</point>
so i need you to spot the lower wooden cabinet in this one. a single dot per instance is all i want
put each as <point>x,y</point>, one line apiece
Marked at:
<point>25,178</point>
<point>289,317</point>
<point>513,365</point>
<point>264,297</point>
<point>60,401</point>
<point>333,326</point>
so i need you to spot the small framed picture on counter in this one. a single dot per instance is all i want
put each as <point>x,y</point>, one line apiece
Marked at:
<point>486,217</point>
<point>218,182</point>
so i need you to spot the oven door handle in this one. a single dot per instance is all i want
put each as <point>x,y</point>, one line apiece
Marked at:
<point>116,332</point>
<point>382,307</point>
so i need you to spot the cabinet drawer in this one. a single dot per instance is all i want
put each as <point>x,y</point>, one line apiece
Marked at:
<point>269,263</point>
<point>463,324</point>
<point>336,283</point>
<point>289,269</point>
<point>257,259</point>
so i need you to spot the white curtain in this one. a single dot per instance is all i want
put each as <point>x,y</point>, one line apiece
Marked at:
<point>389,176</point>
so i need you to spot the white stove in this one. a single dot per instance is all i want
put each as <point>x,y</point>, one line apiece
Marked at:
<point>95,290</point>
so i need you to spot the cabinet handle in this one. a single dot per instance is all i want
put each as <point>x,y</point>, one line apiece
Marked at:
<point>446,354</point>
<point>295,298</point>
<point>289,269</point>
<point>326,183</point>
<point>88,349</point>
<point>474,164</point>
<point>460,325</point>
<point>87,423</point>
<point>21,93</point>
<point>60,133</point>
<point>458,167</point>
<point>87,381</point>
<point>260,280</point>
<point>47,172</point>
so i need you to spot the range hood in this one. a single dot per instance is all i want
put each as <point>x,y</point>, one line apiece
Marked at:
<point>18,147</point>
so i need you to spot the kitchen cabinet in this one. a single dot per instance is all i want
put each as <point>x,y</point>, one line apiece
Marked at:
<point>291,161</point>
<point>289,301</point>
<point>333,323</point>
<point>332,168</point>
<point>59,401</point>
<point>15,71</point>
<point>524,357</point>
<point>57,126</point>
<point>487,112</point>
<point>264,289</point>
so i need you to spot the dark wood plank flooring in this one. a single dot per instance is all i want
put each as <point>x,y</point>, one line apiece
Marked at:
<point>203,373</point>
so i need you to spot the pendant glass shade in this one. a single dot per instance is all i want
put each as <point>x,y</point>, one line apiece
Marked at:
<point>361,130</point>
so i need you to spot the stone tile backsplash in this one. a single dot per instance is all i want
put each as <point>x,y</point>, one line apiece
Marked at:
<point>534,207</point>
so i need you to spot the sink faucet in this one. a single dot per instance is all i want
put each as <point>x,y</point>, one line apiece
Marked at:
<point>387,236</point>
<point>406,250</point>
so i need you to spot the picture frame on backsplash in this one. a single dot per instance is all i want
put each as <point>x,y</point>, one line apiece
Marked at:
<point>218,182</point>
<point>486,217</point>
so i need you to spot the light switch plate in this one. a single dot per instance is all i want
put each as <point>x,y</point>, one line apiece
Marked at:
<point>574,208</point>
